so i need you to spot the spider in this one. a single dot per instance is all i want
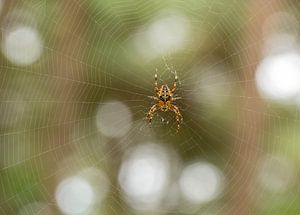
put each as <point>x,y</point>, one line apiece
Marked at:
<point>164,101</point>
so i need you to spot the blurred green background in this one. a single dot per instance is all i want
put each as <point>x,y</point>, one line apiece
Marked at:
<point>75,76</point>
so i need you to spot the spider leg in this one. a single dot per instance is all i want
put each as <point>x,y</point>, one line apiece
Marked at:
<point>175,84</point>
<point>176,98</point>
<point>151,113</point>
<point>179,117</point>
<point>153,97</point>
<point>155,82</point>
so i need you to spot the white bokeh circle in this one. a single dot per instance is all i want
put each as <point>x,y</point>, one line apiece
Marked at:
<point>278,76</point>
<point>201,182</point>
<point>144,175</point>
<point>114,119</point>
<point>22,45</point>
<point>74,195</point>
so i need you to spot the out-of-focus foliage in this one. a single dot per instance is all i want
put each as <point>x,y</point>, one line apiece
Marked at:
<point>75,76</point>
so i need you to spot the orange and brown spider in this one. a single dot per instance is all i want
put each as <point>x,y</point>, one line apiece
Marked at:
<point>165,101</point>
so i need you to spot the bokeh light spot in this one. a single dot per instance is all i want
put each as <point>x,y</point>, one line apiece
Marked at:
<point>278,76</point>
<point>276,174</point>
<point>22,45</point>
<point>144,175</point>
<point>200,182</point>
<point>74,195</point>
<point>114,119</point>
<point>169,32</point>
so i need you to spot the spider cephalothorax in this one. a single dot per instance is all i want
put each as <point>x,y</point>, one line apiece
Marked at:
<point>165,101</point>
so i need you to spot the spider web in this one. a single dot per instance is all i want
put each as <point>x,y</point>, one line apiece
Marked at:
<point>96,53</point>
